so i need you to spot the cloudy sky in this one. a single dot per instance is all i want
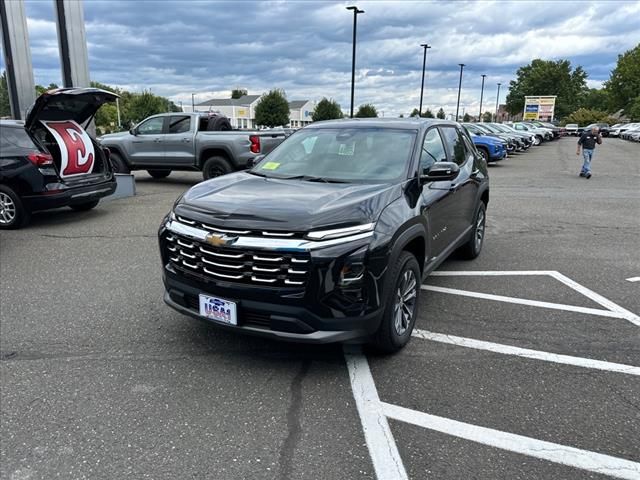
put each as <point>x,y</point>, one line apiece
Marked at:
<point>176,48</point>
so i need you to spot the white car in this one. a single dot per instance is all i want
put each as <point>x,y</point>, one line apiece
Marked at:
<point>571,128</point>
<point>540,133</point>
<point>619,129</point>
<point>631,132</point>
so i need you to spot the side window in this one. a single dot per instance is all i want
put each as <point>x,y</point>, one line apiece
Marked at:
<point>432,150</point>
<point>153,126</point>
<point>179,124</point>
<point>455,145</point>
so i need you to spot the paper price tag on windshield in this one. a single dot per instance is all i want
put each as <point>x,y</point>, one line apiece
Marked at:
<point>76,149</point>
<point>347,149</point>
<point>271,165</point>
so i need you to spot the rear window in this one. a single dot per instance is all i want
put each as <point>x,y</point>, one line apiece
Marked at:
<point>15,138</point>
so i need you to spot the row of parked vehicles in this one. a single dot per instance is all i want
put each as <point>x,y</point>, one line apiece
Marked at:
<point>627,131</point>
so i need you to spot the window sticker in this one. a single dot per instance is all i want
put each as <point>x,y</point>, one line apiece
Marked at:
<point>347,149</point>
<point>76,149</point>
<point>271,166</point>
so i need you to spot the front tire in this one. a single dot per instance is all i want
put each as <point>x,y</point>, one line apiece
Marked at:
<point>13,214</point>
<point>83,207</point>
<point>473,247</point>
<point>485,154</point>
<point>215,167</point>
<point>401,306</point>
<point>538,140</point>
<point>158,174</point>
<point>118,164</point>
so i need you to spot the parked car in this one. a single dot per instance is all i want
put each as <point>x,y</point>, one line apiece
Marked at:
<point>572,128</point>
<point>618,130</point>
<point>188,141</point>
<point>492,149</point>
<point>557,131</point>
<point>522,141</point>
<point>603,127</point>
<point>629,133</point>
<point>542,134</point>
<point>50,160</point>
<point>527,138</point>
<point>510,144</point>
<point>329,236</point>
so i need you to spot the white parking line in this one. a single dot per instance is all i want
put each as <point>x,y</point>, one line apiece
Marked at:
<point>527,353</point>
<point>386,459</point>
<point>553,452</point>
<point>524,301</point>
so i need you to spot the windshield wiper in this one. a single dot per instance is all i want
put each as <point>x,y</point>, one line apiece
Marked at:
<point>311,178</point>
<point>258,174</point>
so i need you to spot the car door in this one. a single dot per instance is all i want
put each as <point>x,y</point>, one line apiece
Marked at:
<point>146,145</point>
<point>436,197</point>
<point>464,188</point>
<point>179,141</point>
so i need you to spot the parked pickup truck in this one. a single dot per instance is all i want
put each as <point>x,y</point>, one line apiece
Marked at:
<point>187,141</point>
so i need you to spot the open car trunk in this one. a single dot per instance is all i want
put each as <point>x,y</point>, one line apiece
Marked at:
<point>77,156</point>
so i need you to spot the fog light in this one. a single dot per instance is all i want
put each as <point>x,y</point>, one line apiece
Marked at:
<point>351,274</point>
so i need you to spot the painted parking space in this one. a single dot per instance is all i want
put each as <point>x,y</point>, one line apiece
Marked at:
<point>570,379</point>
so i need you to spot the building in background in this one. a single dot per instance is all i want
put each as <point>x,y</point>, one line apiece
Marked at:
<point>241,111</point>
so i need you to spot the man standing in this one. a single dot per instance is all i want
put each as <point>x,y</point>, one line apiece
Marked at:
<point>588,142</point>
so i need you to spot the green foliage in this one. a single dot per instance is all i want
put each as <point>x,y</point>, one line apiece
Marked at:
<point>5,106</point>
<point>414,113</point>
<point>596,99</point>
<point>440,113</point>
<point>238,92</point>
<point>466,118</point>
<point>426,114</point>
<point>547,77</point>
<point>634,110</point>
<point>624,84</point>
<point>327,110</point>
<point>366,111</point>
<point>487,117</point>
<point>584,117</point>
<point>40,89</point>
<point>273,109</point>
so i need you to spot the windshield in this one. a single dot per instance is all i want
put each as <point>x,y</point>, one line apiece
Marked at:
<point>358,155</point>
<point>491,128</point>
<point>502,128</point>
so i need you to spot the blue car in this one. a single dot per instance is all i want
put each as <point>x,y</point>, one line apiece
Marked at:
<point>491,148</point>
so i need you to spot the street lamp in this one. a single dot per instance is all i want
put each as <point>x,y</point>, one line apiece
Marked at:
<point>193,103</point>
<point>356,11</point>
<point>481,94</point>
<point>462,65</point>
<point>497,101</point>
<point>424,62</point>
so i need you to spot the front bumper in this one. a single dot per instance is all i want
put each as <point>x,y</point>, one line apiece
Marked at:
<point>69,196</point>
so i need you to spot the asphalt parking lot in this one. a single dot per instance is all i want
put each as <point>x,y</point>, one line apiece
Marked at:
<point>525,364</point>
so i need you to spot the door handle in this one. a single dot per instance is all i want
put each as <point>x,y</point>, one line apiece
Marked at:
<point>186,140</point>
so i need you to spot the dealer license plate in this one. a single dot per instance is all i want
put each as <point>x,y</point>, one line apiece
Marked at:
<point>218,309</point>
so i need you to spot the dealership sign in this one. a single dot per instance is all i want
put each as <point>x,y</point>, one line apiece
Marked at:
<point>539,108</point>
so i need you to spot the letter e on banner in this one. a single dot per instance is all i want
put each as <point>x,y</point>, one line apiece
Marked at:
<point>76,149</point>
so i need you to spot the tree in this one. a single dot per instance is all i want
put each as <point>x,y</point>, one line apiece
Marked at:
<point>414,113</point>
<point>487,117</point>
<point>366,111</point>
<point>583,116</point>
<point>427,114</point>
<point>40,89</point>
<point>273,109</point>
<point>546,77</point>
<point>326,110</point>
<point>440,113</point>
<point>624,84</point>
<point>596,99</point>
<point>238,92</point>
<point>634,110</point>
<point>466,118</point>
<point>5,106</point>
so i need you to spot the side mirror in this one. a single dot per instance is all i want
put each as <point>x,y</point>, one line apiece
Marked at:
<point>133,131</point>
<point>440,172</point>
<point>252,162</point>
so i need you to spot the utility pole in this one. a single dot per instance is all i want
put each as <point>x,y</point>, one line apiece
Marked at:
<point>481,95</point>
<point>193,103</point>
<point>497,101</point>
<point>424,62</point>
<point>462,65</point>
<point>356,11</point>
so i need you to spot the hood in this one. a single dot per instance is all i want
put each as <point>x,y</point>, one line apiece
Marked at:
<point>114,136</point>
<point>78,104</point>
<point>245,201</point>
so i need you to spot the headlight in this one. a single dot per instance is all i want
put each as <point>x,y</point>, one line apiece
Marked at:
<point>340,232</point>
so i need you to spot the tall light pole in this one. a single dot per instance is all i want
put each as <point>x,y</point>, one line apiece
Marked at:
<point>462,65</point>
<point>481,95</point>
<point>424,62</point>
<point>193,102</point>
<point>497,101</point>
<point>356,11</point>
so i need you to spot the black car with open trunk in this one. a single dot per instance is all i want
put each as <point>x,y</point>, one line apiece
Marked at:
<point>329,236</point>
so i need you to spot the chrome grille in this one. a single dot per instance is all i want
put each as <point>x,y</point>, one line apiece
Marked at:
<point>276,269</point>
<point>234,231</point>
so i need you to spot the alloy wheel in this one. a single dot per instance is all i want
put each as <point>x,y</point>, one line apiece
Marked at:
<point>7,209</point>
<point>479,234</point>
<point>405,303</point>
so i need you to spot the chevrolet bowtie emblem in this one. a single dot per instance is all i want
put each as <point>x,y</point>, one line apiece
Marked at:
<point>220,240</point>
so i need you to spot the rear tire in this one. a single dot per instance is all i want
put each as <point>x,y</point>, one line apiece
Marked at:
<point>13,214</point>
<point>473,247</point>
<point>158,174</point>
<point>118,164</point>
<point>215,167</point>
<point>401,306</point>
<point>83,207</point>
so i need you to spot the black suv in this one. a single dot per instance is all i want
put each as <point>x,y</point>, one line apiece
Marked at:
<point>50,160</point>
<point>329,236</point>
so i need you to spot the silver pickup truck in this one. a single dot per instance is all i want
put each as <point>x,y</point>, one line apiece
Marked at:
<point>187,141</point>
